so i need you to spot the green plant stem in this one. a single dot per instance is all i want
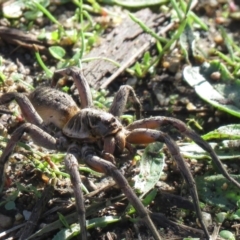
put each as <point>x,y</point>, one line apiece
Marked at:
<point>170,42</point>
<point>48,14</point>
<point>81,30</point>
<point>147,29</point>
<point>177,9</point>
<point>43,66</point>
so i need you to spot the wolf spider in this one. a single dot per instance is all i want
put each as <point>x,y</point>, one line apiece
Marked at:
<point>84,129</point>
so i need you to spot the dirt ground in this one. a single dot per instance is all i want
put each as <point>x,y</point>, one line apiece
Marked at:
<point>165,94</point>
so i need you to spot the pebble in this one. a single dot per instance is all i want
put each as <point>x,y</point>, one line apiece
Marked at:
<point>132,81</point>
<point>216,76</point>
<point>207,219</point>
<point>190,106</point>
<point>26,214</point>
<point>18,217</point>
<point>5,221</point>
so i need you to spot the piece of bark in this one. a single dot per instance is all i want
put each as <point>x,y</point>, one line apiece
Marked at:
<point>19,37</point>
<point>125,44</point>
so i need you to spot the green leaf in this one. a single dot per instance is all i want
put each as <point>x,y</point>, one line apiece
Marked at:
<point>57,52</point>
<point>224,152</point>
<point>2,77</point>
<point>63,220</point>
<point>146,58</point>
<point>102,221</point>
<point>66,234</point>
<point>226,144</point>
<point>13,9</point>
<point>32,15</point>
<point>137,67</point>
<point>238,203</point>
<point>227,235</point>
<point>221,217</point>
<point>218,191</point>
<point>149,197</point>
<point>146,201</point>
<point>10,205</point>
<point>186,41</point>
<point>236,215</point>
<point>230,131</point>
<point>223,93</point>
<point>151,166</point>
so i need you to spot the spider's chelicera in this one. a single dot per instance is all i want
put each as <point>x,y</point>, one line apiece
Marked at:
<point>88,127</point>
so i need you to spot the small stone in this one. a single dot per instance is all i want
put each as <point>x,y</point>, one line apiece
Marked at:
<point>18,217</point>
<point>5,221</point>
<point>218,39</point>
<point>132,81</point>
<point>215,76</point>
<point>207,219</point>
<point>224,186</point>
<point>190,106</point>
<point>26,214</point>
<point>174,66</point>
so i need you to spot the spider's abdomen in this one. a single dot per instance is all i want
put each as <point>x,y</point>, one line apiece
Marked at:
<point>91,124</point>
<point>53,106</point>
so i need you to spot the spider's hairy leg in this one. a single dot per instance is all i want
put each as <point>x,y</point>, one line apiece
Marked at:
<point>80,82</point>
<point>155,122</point>
<point>24,103</point>
<point>39,136</point>
<point>145,136</point>
<point>120,101</point>
<point>71,164</point>
<point>98,164</point>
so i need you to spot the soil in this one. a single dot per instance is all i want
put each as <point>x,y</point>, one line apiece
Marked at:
<point>162,93</point>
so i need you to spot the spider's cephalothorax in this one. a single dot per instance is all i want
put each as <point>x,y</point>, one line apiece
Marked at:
<point>88,126</point>
<point>91,124</point>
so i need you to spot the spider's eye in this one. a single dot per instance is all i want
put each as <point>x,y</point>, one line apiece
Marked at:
<point>109,121</point>
<point>112,120</point>
<point>106,122</point>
